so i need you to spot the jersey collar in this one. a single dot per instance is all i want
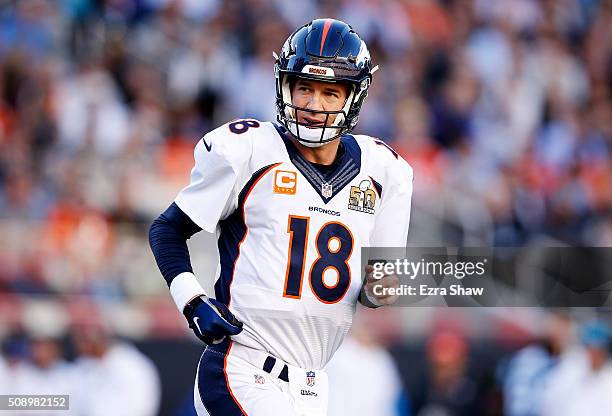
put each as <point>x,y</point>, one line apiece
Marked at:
<point>328,184</point>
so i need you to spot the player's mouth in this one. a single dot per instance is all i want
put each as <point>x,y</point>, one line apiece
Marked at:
<point>312,122</point>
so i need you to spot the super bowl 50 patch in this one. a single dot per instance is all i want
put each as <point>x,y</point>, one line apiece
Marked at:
<point>362,198</point>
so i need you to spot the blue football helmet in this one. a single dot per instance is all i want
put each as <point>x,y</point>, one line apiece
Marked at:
<point>323,50</point>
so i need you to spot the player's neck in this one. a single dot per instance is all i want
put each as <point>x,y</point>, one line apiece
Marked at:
<point>323,155</point>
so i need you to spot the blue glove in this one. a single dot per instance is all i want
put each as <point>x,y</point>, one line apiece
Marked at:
<point>211,320</point>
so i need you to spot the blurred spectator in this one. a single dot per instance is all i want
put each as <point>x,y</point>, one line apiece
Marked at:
<point>35,365</point>
<point>14,356</point>
<point>46,372</point>
<point>582,382</point>
<point>113,376</point>
<point>90,114</point>
<point>448,390</point>
<point>36,361</point>
<point>383,398</point>
<point>528,372</point>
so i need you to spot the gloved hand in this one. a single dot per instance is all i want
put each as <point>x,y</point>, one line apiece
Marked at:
<point>211,320</point>
<point>388,281</point>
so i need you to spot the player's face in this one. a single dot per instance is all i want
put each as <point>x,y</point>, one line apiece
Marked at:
<point>317,96</point>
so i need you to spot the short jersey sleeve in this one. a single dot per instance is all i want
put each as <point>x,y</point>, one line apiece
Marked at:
<point>391,228</point>
<point>221,161</point>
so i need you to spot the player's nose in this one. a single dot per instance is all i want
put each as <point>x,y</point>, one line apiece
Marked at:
<point>315,102</point>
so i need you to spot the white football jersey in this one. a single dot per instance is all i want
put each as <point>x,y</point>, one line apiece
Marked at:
<point>289,236</point>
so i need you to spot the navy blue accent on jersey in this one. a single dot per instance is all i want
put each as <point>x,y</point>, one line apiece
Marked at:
<point>347,168</point>
<point>233,230</point>
<point>378,187</point>
<point>298,227</point>
<point>242,126</point>
<point>269,364</point>
<point>284,374</point>
<point>212,384</point>
<point>336,260</point>
<point>206,145</point>
<point>168,237</point>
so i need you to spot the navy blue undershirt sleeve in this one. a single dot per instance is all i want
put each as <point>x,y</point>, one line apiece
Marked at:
<point>168,237</point>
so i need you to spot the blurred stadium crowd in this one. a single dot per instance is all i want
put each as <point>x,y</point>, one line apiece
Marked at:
<point>503,108</point>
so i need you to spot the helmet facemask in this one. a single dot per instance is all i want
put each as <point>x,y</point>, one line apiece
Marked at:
<point>308,135</point>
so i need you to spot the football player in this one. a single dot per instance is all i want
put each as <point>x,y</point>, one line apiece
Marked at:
<point>292,204</point>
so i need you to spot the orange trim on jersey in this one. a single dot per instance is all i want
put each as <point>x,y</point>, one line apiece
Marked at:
<point>346,262</point>
<point>246,197</point>
<point>285,295</point>
<point>326,26</point>
<point>229,389</point>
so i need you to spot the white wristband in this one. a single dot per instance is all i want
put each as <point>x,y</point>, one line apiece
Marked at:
<point>184,288</point>
<point>373,300</point>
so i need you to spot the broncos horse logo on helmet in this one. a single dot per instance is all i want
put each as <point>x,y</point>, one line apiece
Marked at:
<point>326,50</point>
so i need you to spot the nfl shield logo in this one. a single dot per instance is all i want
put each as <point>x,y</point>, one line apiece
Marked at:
<point>259,379</point>
<point>326,190</point>
<point>310,378</point>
